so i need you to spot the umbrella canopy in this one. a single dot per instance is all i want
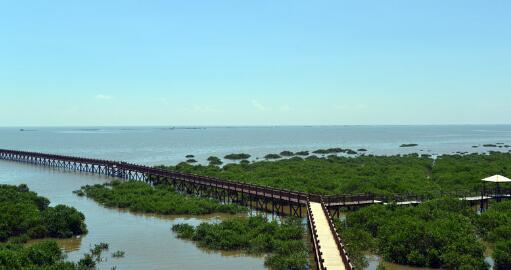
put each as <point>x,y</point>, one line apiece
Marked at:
<point>497,179</point>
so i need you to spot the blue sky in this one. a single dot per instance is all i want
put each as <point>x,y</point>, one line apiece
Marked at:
<point>286,62</point>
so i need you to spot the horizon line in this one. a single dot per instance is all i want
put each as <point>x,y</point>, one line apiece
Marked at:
<point>248,125</point>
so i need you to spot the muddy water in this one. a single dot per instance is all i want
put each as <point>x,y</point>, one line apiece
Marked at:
<point>146,239</point>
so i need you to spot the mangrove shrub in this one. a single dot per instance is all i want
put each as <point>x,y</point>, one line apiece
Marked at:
<point>283,242</point>
<point>162,199</point>
<point>25,215</point>
<point>439,233</point>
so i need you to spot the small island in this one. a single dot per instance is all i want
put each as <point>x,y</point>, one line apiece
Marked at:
<point>408,145</point>
<point>239,156</point>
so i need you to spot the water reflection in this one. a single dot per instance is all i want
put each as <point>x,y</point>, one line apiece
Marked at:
<point>68,245</point>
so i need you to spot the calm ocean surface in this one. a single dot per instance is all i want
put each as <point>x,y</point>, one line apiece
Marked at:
<point>147,240</point>
<point>157,145</point>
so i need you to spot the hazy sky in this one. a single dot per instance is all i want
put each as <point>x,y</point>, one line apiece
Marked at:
<point>254,62</point>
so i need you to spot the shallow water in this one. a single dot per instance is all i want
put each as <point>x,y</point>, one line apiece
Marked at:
<point>146,239</point>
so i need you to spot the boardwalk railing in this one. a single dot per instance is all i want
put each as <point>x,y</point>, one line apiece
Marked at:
<point>140,172</point>
<point>340,245</point>
<point>155,175</point>
<point>318,258</point>
<point>495,193</point>
<point>348,199</point>
<point>261,196</point>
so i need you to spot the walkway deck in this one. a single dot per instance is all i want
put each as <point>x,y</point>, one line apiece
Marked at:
<point>327,244</point>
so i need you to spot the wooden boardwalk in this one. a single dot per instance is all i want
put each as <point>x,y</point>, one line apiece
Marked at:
<point>327,242</point>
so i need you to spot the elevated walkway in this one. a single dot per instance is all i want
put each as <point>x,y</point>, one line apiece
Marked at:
<point>329,250</point>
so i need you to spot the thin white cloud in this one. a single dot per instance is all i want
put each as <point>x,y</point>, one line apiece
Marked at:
<point>260,107</point>
<point>285,108</point>
<point>162,100</point>
<point>196,108</point>
<point>348,107</point>
<point>103,97</point>
<point>201,108</point>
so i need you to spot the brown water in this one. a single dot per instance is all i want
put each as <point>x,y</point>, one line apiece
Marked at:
<point>147,239</point>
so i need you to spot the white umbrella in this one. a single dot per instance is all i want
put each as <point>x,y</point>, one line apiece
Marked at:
<point>497,179</point>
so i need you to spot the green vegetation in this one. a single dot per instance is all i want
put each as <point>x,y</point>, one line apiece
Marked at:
<point>24,215</point>
<point>381,267</point>
<point>382,175</point>
<point>43,255</point>
<point>92,258</point>
<point>237,156</point>
<point>456,172</point>
<point>495,227</point>
<point>141,197</point>
<point>46,255</point>
<point>334,151</point>
<point>302,153</point>
<point>214,161</point>
<point>272,156</point>
<point>489,145</point>
<point>502,255</point>
<point>408,145</point>
<point>350,152</point>
<point>439,233</point>
<point>328,151</point>
<point>284,242</point>
<point>331,175</point>
<point>118,254</point>
<point>287,153</point>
